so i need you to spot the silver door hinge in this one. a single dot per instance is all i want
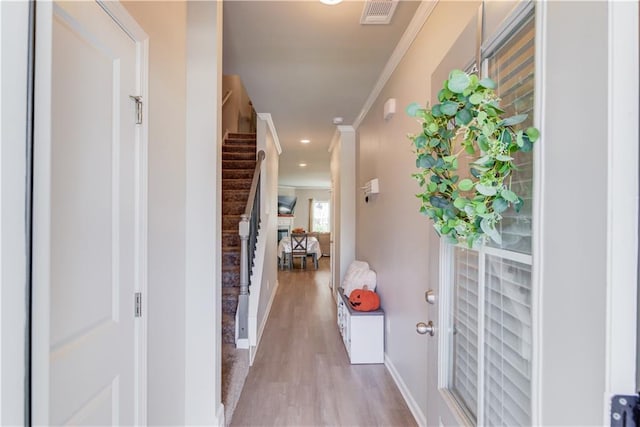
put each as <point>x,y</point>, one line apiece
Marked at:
<point>138,100</point>
<point>137,311</point>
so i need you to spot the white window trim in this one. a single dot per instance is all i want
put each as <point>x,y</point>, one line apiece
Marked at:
<point>446,320</point>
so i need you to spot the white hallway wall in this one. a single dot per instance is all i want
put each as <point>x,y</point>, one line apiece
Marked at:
<point>402,247</point>
<point>166,25</point>
<point>183,307</point>
<point>170,354</point>
<point>269,197</point>
<point>14,17</point>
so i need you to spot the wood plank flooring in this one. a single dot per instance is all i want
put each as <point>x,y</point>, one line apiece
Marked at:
<point>302,376</point>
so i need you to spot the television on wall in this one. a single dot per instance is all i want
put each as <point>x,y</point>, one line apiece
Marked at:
<point>286,205</point>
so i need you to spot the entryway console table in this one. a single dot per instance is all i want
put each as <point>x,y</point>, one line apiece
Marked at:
<point>362,332</point>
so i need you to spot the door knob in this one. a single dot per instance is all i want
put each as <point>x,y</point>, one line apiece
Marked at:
<point>425,328</point>
<point>430,296</point>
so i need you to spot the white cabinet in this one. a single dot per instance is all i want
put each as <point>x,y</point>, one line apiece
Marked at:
<point>362,332</point>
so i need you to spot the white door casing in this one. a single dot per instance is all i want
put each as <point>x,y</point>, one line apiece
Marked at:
<point>89,216</point>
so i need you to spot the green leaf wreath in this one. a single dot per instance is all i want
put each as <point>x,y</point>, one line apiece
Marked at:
<point>468,120</point>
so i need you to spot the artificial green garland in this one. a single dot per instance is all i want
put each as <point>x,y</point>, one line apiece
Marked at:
<point>467,119</point>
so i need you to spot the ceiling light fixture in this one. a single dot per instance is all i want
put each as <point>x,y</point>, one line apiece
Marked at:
<point>330,2</point>
<point>302,165</point>
<point>305,141</point>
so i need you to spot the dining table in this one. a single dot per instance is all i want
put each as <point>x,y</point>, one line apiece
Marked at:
<point>284,247</point>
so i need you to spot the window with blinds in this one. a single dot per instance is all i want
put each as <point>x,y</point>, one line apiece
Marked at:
<point>491,333</point>
<point>511,66</point>
<point>465,336</point>
<point>507,343</point>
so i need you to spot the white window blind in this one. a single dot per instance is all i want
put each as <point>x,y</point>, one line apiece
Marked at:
<point>465,336</point>
<point>491,335</point>
<point>511,66</point>
<point>507,364</point>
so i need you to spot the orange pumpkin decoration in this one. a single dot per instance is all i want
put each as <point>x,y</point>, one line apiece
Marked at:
<point>364,300</point>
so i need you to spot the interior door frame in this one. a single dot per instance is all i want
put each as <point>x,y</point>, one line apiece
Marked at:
<point>622,213</point>
<point>40,313</point>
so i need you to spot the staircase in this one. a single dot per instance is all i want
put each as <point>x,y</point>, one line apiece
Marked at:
<point>238,164</point>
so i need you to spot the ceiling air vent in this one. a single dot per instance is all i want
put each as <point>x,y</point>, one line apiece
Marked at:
<point>378,11</point>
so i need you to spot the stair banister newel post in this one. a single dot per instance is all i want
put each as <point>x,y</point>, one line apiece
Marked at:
<point>243,298</point>
<point>248,231</point>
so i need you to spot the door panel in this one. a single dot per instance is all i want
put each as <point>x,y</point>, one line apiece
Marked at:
<point>440,407</point>
<point>92,219</point>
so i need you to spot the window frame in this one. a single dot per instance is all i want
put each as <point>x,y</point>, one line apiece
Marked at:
<point>313,215</point>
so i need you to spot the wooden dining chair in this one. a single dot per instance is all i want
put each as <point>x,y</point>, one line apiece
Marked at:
<point>299,248</point>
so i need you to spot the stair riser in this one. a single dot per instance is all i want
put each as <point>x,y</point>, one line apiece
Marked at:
<point>230,259</point>
<point>230,241</point>
<point>239,164</point>
<point>230,222</point>
<point>235,196</point>
<point>241,135</point>
<point>237,174</point>
<point>232,149</point>
<point>236,208</point>
<point>230,278</point>
<point>229,184</point>
<point>247,157</point>
<point>229,304</point>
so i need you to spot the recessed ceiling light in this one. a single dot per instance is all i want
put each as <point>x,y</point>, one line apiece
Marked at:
<point>302,165</point>
<point>337,120</point>
<point>330,2</point>
<point>305,141</point>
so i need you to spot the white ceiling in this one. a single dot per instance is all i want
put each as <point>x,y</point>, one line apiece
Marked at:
<point>305,63</point>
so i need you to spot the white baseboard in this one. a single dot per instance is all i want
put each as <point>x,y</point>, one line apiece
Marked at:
<point>254,350</point>
<point>417,413</point>
<point>242,343</point>
<point>220,421</point>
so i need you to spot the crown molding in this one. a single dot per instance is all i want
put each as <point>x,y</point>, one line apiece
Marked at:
<point>267,118</point>
<point>417,22</point>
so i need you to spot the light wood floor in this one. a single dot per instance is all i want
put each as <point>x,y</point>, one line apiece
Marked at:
<point>301,375</point>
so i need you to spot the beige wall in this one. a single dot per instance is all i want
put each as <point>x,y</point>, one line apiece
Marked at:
<point>237,105</point>
<point>402,247</point>
<point>165,23</point>
<point>302,206</point>
<point>397,241</point>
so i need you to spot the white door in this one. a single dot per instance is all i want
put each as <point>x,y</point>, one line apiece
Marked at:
<point>442,407</point>
<point>88,221</point>
<point>482,351</point>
